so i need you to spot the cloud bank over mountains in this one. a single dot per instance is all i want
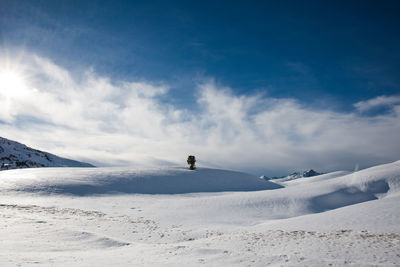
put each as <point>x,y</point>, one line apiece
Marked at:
<point>101,120</point>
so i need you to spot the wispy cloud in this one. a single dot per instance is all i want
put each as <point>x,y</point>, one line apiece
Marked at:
<point>378,102</point>
<point>98,119</point>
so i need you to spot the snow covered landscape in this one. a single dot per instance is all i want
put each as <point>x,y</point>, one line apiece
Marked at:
<point>287,114</point>
<point>206,217</point>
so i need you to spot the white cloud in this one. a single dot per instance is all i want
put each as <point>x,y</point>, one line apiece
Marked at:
<point>381,101</point>
<point>97,119</point>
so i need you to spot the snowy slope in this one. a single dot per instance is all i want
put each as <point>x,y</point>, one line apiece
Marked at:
<point>59,217</point>
<point>82,181</point>
<point>14,155</point>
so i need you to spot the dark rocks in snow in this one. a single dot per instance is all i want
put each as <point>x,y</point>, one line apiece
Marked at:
<point>47,157</point>
<point>310,173</point>
<point>294,175</point>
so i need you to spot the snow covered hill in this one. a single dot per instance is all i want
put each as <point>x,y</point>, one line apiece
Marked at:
<point>207,217</point>
<point>14,155</point>
<point>89,181</point>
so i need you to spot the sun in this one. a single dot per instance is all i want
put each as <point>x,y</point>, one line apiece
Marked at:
<point>12,84</point>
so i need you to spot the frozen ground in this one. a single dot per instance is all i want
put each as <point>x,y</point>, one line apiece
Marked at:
<point>175,217</point>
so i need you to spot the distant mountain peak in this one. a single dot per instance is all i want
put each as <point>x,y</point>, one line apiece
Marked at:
<point>14,155</point>
<point>294,175</point>
<point>310,173</point>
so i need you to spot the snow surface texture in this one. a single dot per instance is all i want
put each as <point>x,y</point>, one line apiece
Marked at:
<point>14,155</point>
<point>100,217</point>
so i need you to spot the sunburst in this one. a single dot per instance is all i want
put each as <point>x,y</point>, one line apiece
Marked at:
<point>12,84</point>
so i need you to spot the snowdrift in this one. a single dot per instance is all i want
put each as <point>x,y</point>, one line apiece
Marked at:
<point>367,199</point>
<point>85,181</point>
<point>308,196</point>
<point>357,187</point>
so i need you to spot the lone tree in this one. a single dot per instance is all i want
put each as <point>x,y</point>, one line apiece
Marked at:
<point>191,161</point>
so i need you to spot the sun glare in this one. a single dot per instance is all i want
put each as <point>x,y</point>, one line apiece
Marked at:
<point>12,84</point>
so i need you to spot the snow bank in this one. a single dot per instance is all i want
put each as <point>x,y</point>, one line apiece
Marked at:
<point>85,181</point>
<point>357,187</point>
<point>315,195</point>
<point>367,199</point>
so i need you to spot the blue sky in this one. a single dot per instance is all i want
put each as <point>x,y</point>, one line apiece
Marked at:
<point>340,57</point>
<point>335,51</point>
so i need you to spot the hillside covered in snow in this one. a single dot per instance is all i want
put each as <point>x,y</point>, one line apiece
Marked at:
<point>206,217</point>
<point>14,155</point>
<point>90,181</point>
